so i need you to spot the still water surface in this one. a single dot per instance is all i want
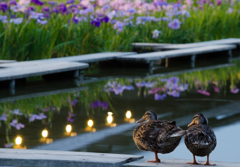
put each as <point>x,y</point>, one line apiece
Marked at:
<point>105,102</point>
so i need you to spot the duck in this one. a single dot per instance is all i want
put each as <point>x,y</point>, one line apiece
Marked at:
<point>158,136</point>
<point>200,138</point>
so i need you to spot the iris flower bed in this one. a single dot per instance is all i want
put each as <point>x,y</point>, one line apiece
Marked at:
<point>32,29</point>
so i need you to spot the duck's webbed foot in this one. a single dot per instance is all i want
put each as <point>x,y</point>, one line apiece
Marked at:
<point>194,161</point>
<point>207,163</point>
<point>157,160</point>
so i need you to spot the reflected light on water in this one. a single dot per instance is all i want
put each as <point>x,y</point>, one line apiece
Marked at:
<point>128,114</point>
<point>109,117</point>
<point>68,128</point>
<point>18,140</point>
<point>44,133</point>
<point>90,123</point>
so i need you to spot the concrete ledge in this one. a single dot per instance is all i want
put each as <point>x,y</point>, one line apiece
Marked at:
<point>18,157</point>
<point>176,163</point>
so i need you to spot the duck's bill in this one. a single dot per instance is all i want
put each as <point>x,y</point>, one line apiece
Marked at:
<point>140,120</point>
<point>192,123</point>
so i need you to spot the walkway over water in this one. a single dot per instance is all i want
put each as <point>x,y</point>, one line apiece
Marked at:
<point>73,66</point>
<point>168,46</point>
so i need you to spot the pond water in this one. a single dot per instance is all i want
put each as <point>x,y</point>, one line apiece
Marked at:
<point>101,102</point>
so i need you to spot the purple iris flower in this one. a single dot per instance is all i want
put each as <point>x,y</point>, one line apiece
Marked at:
<point>74,102</point>
<point>175,24</point>
<point>98,103</point>
<point>17,125</point>
<point>119,26</point>
<point>45,9</point>
<point>219,2</point>
<point>46,109</point>
<point>16,111</point>
<point>55,10</point>
<point>234,90</point>
<point>62,8</point>
<point>182,87</point>
<point>30,8</point>
<point>96,23</point>
<point>12,2</point>
<point>3,6</point>
<point>105,19</point>
<point>216,89</point>
<point>8,145</point>
<point>130,87</point>
<point>153,90</point>
<point>159,97</point>
<point>104,105</point>
<point>174,93</point>
<point>70,115</point>
<point>38,117</point>
<point>37,2</point>
<point>141,84</point>
<point>165,19</point>
<point>204,92</point>
<point>69,119</point>
<point>3,117</point>
<point>70,1</point>
<point>150,84</point>
<point>52,3</point>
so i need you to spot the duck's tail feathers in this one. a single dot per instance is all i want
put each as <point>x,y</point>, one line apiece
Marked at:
<point>179,133</point>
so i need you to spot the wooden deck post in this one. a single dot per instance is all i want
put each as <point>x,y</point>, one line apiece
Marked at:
<point>166,62</point>
<point>12,84</point>
<point>81,75</point>
<point>193,57</point>
<point>76,74</point>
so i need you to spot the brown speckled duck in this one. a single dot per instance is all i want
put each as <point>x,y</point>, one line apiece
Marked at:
<point>200,138</point>
<point>158,136</point>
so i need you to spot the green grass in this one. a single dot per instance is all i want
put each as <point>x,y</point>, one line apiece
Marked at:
<point>31,41</point>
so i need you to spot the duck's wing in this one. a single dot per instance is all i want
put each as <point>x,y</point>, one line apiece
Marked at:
<point>201,135</point>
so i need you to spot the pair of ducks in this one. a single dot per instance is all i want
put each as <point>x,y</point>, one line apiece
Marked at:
<point>160,136</point>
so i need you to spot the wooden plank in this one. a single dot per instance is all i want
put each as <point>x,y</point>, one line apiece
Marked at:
<point>88,58</point>
<point>169,46</point>
<point>175,163</point>
<point>63,158</point>
<point>7,61</point>
<point>177,53</point>
<point>39,69</point>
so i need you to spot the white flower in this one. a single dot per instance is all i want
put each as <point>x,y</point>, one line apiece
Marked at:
<point>155,33</point>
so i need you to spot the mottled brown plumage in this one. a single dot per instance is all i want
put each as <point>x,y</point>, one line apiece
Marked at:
<point>200,138</point>
<point>158,136</point>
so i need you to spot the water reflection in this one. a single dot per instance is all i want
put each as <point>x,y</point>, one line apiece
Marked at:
<point>60,114</point>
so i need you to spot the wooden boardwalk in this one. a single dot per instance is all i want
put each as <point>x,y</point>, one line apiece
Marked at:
<point>10,70</point>
<point>168,46</point>
<point>18,157</point>
<point>88,58</point>
<point>150,57</point>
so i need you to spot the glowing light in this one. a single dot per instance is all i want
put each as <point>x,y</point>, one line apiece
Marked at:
<point>68,128</point>
<point>44,133</point>
<point>90,123</point>
<point>18,140</point>
<point>109,117</point>
<point>128,114</point>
